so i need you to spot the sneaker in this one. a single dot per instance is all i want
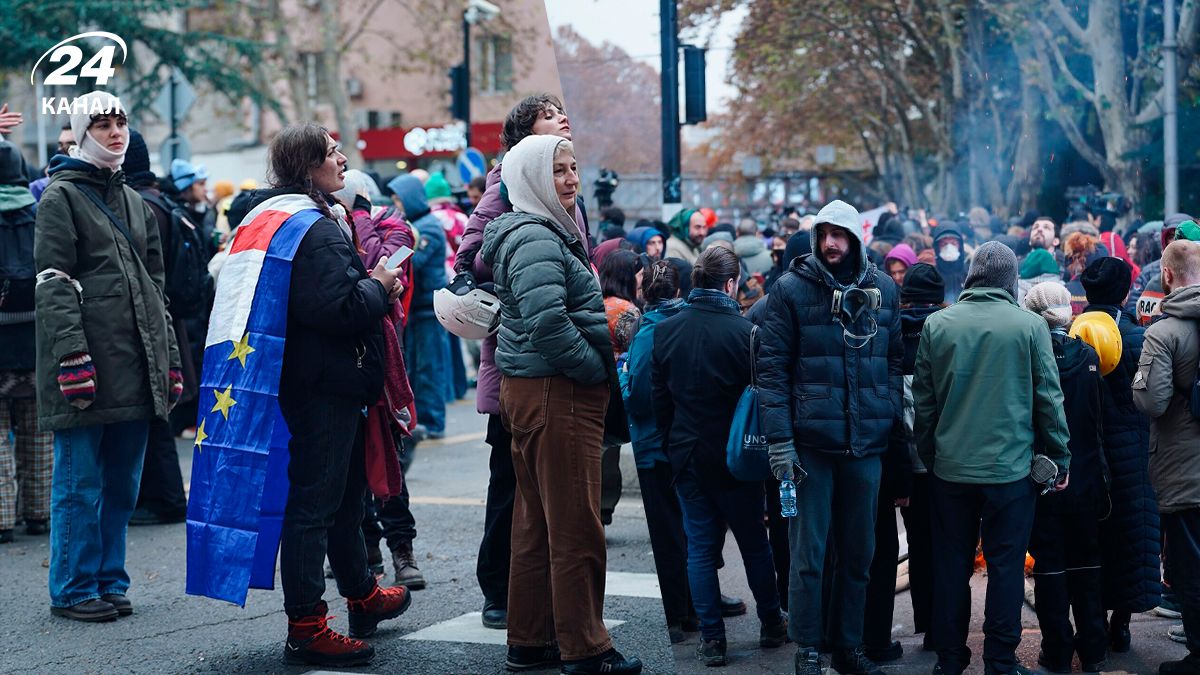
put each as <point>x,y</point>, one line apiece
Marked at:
<point>188,434</point>
<point>808,662</point>
<point>145,516</point>
<point>89,610</point>
<point>775,634</point>
<point>610,661</point>
<point>854,662</point>
<point>1167,607</point>
<point>494,617</point>
<point>1188,665</point>
<point>35,528</point>
<point>531,658</point>
<point>891,652</point>
<point>675,633</point>
<point>379,605</point>
<point>732,606</point>
<point>407,574</point>
<point>711,653</point>
<point>121,603</point>
<point>1094,666</point>
<point>435,435</point>
<point>1177,634</point>
<point>311,641</point>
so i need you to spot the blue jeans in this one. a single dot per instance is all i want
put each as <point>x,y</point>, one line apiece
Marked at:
<point>841,492</point>
<point>741,507</point>
<point>427,355</point>
<point>97,470</point>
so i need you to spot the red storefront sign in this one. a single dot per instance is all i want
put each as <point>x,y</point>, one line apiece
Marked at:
<point>388,144</point>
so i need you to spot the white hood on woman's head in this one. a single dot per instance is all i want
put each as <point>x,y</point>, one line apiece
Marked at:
<point>528,175</point>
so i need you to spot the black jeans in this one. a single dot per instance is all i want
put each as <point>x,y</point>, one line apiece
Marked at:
<point>162,482</point>
<point>1182,530</point>
<point>391,520</point>
<point>881,589</point>
<point>1003,516</point>
<point>495,549</point>
<point>777,533</point>
<point>327,475</point>
<point>664,520</point>
<point>610,481</point>
<point>917,523</point>
<point>1066,574</point>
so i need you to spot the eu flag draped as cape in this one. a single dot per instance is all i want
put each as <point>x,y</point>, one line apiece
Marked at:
<point>239,462</point>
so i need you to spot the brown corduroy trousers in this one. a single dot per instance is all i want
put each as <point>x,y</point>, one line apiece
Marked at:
<point>556,582</point>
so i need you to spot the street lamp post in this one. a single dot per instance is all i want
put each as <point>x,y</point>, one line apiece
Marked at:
<point>668,29</point>
<point>475,12</point>
<point>1170,132</point>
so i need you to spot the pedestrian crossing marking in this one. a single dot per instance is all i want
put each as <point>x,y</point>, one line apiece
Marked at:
<point>453,440</point>
<point>449,501</point>
<point>469,628</point>
<point>632,584</point>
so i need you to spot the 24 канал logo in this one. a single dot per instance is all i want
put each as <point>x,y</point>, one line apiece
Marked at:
<point>99,68</point>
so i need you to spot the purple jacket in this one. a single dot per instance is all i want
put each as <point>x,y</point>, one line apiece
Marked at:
<point>492,205</point>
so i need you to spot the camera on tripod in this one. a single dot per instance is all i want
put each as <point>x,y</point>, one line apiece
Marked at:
<point>1088,200</point>
<point>605,185</point>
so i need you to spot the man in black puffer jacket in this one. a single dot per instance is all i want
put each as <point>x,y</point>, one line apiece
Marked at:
<point>831,377</point>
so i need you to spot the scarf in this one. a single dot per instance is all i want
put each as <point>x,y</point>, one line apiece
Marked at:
<point>384,419</point>
<point>711,297</point>
<point>92,152</point>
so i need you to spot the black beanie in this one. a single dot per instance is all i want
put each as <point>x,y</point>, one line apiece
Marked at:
<point>923,285</point>
<point>1106,281</point>
<point>137,160</point>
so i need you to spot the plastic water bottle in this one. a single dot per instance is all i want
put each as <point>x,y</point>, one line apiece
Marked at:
<point>787,498</point>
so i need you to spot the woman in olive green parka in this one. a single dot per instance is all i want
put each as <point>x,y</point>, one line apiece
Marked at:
<point>107,361</point>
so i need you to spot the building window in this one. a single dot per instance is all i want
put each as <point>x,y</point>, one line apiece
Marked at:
<point>372,119</point>
<point>397,120</point>
<point>492,69</point>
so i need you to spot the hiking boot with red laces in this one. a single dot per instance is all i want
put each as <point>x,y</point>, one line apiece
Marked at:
<point>380,604</point>
<point>310,640</point>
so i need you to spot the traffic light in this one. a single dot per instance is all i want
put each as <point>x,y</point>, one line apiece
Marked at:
<point>460,93</point>
<point>694,110</point>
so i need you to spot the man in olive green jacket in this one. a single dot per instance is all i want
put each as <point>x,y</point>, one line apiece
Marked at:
<point>1162,389</point>
<point>987,393</point>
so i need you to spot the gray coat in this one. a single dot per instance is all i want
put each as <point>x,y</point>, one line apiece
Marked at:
<point>552,318</point>
<point>120,316</point>
<point>1161,389</point>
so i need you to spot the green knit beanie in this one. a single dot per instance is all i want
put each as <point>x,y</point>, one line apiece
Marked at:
<point>1039,262</point>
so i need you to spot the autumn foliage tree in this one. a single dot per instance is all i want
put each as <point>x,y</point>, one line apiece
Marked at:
<point>614,102</point>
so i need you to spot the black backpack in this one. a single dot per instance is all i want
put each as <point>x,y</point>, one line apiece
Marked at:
<point>189,286</point>
<point>17,273</point>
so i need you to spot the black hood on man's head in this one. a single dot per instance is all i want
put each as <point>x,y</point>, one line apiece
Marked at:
<point>12,165</point>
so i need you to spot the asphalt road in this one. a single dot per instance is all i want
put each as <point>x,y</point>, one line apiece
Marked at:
<point>171,632</point>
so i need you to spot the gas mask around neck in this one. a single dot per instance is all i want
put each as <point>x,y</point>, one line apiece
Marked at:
<point>851,304</point>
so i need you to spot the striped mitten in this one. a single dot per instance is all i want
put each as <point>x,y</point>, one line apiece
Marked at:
<point>77,379</point>
<point>176,377</point>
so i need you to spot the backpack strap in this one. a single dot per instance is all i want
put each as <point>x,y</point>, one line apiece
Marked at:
<point>95,198</point>
<point>753,352</point>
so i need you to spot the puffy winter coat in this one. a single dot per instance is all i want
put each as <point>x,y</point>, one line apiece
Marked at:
<point>637,391</point>
<point>755,257</point>
<point>1161,387</point>
<point>1130,535</point>
<point>119,317</point>
<point>813,387</point>
<point>552,318</point>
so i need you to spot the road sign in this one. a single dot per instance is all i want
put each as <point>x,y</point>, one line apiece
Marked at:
<point>175,99</point>
<point>175,147</point>
<point>471,163</point>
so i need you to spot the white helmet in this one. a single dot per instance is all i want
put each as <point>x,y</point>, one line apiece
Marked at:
<point>466,310</point>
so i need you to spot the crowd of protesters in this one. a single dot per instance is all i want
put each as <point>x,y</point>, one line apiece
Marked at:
<point>1015,388</point>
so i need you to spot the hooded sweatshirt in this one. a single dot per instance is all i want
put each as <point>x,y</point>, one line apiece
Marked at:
<point>552,319</point>
<point>954,272</point>
<point>428,262</point>
<point>640,236</point>
<point>841,214</point>
<point>754,255</point>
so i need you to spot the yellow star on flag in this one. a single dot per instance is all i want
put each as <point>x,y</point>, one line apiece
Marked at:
<point>200,436</point>
<point>241,349</point>
<point>224,401</point>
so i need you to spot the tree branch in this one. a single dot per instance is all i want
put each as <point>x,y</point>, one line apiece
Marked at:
<point>1064,17</point>
<point>1061,60</point>
<point>362,24</point>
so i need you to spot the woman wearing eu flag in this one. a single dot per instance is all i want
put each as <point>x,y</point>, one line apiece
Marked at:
<point>333,366</point>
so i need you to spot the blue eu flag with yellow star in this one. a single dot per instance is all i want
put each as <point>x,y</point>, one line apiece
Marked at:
<point>239,482</point>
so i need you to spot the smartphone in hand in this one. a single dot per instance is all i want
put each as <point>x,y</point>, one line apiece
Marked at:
<point>398,258</point>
